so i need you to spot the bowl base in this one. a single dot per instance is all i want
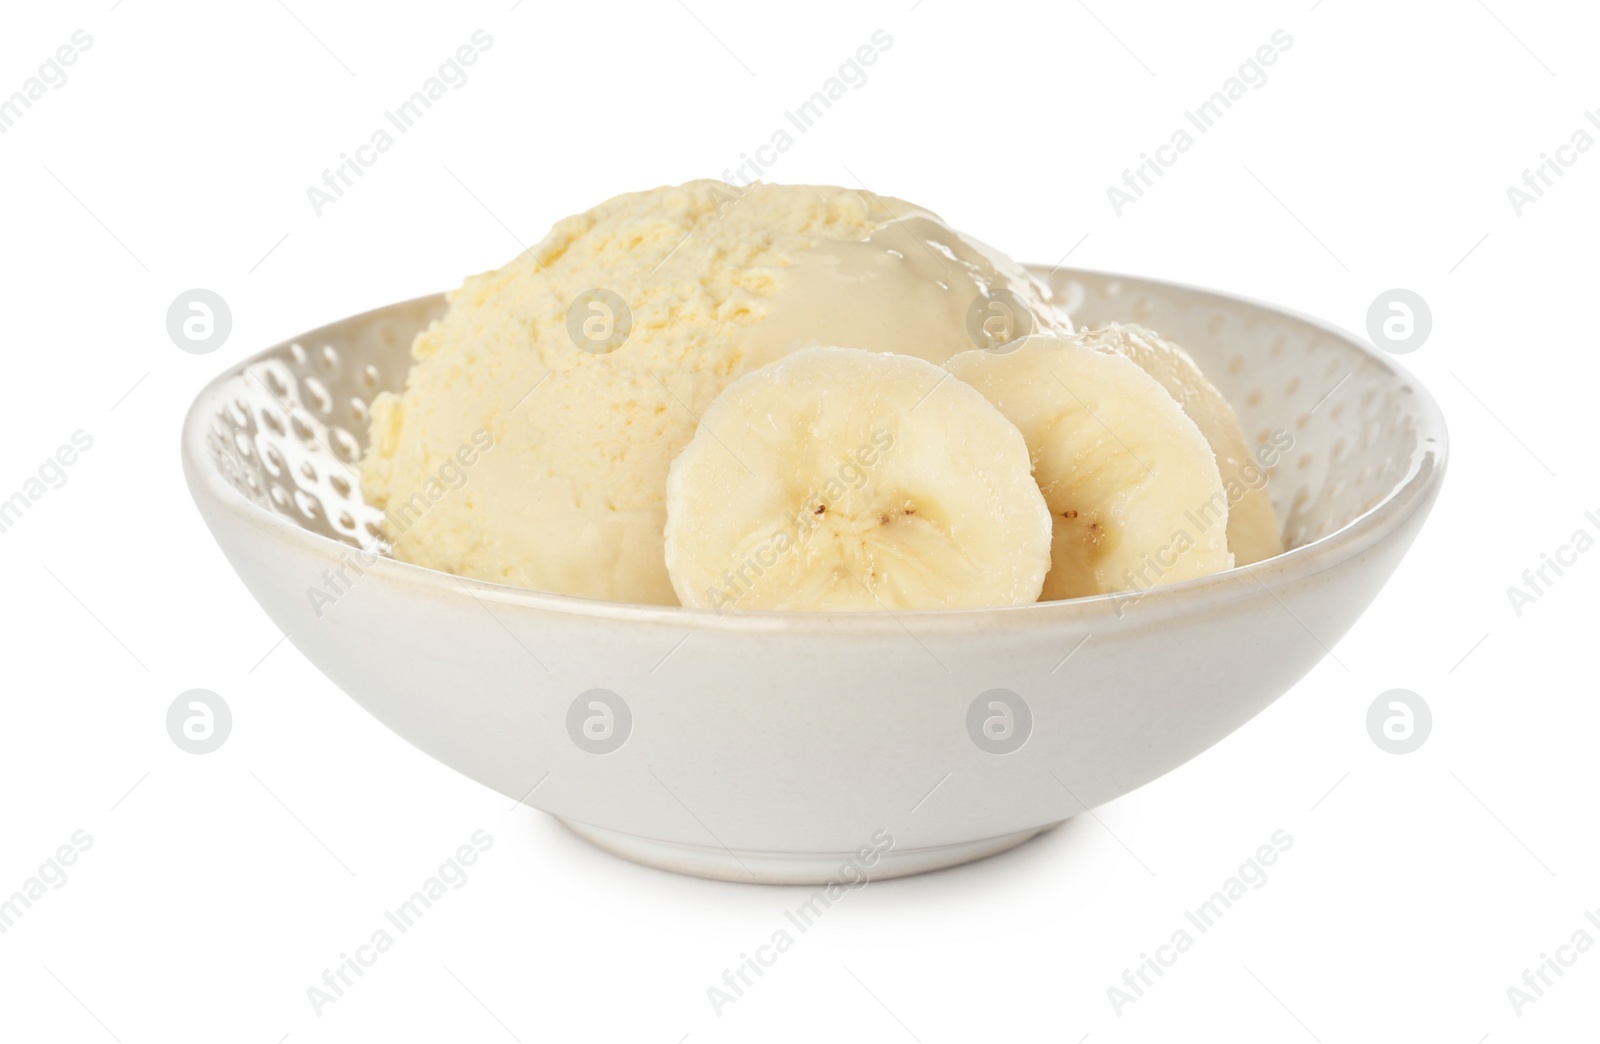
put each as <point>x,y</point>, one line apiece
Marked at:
<point>790,868</point>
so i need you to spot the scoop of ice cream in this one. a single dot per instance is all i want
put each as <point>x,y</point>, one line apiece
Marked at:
<point>588,360</point>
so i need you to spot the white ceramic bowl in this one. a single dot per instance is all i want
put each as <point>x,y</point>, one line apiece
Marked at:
<point>780,747</point>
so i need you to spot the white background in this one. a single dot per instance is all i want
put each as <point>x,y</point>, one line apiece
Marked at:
<point>1378,154</point>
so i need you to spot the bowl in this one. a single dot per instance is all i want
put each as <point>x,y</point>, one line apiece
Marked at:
<point>816,748</point>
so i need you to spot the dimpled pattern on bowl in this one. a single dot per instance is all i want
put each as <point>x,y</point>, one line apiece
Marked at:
<point>294,424</point>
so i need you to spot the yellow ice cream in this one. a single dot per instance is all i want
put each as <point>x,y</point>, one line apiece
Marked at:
<point>716,281</point>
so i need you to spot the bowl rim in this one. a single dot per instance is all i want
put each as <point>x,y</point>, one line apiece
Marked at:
<point>1414,492</point>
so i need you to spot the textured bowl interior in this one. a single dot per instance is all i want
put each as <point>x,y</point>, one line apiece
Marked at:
<point>291,425</point>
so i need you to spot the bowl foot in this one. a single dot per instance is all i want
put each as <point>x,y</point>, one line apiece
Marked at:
<point>790,868</point>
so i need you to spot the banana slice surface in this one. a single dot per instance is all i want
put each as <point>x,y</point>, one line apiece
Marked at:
<point>1133,489</point>
<point>1253,531</point>
<point>844,480</point>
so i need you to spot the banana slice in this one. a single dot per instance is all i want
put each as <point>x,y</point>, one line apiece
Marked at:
<point>838,479</point>
<point>1252,522</point>
<point>1132,485</point>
